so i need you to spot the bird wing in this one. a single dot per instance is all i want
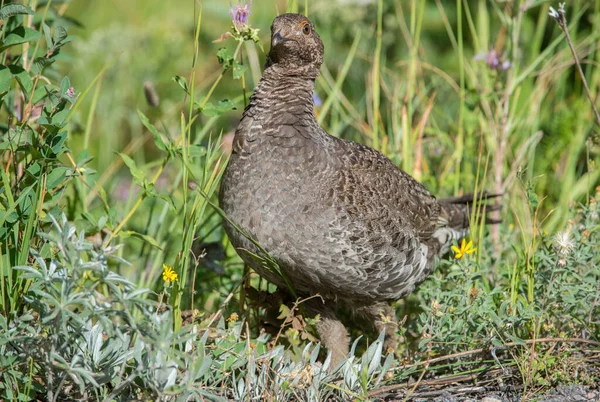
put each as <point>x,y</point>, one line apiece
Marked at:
<point>371,187</point>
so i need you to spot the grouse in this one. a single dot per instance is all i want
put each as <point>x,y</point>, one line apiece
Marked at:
<point>339,218</point>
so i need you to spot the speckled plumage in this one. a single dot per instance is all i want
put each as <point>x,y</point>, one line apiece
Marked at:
<point>340,218</point>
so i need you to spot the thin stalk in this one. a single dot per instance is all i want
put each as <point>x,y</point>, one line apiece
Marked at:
<point>561,19</point>
<point>189,224</point>
<point>376,77</point>
<point>91,114</point>
<point>333,95</point>
<point>461,113</point>
<point>159,172</point>
<point>137,204</point>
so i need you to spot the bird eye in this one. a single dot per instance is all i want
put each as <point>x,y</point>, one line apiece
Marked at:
<point>306,29</point>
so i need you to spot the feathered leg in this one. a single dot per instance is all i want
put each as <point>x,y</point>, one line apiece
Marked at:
<point>332,331</point>
<point>383,318</point>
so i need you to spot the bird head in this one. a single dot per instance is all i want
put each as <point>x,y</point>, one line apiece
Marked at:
<point>296,48</point>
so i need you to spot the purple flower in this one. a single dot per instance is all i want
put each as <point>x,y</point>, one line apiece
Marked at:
<point>317,100</point>
<point>70,92</point>
<point>240,14</point>
<point>494,60</point>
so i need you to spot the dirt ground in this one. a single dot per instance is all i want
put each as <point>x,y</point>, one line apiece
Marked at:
<point>571,393</point>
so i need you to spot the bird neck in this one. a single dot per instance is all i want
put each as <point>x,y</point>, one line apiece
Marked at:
<point>280,91</point>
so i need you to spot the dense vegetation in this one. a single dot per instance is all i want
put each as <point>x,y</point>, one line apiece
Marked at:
<point>116,279</point>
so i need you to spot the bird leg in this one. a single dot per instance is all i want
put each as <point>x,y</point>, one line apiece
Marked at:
<point>332,332</point>
<point>383,318</point>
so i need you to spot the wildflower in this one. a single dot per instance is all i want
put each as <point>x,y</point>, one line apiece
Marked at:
<point>240,14</point>
<point>70,92</point>
<point>317,100</point>
<point>559,15</point>
<point>556,14</point>
<point>585,235</point>
<point>436,307</point>
<point>564,242</point>
<point>241,30</point>
<point>169,275</point>
<point>465,248</point>
<point>233,318</point>
<point>494,60</point>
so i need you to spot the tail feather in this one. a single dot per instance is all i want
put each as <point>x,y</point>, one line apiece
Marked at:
<point>455,216</point>
<point>458,210</point>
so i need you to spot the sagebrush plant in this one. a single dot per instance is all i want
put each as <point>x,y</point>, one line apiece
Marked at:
<point>115,277</point>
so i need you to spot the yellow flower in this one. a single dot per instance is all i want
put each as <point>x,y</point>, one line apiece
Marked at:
<point>169,275</point>
<point>233,318</point>
<point>465,248</point>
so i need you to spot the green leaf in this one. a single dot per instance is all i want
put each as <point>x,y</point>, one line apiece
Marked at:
<point>516,339</point>
<point>146,238</point>
<point>5,79</point>
<point>102,222</point>
<point>150,192</point>
<point>23,79</point>
<point>18,36</point>
<point>56,177</point>
<point>221,107</point>
<point>256,39</point>
<point>53,94</point>
<point>196,151</point>
<point>137,173</point>
<point>84,158</point>
<point>160,144</point>
<point>182,82</point>
<point>65,84</point>
<point>34,170</point>
<point>47,35</point>
<point>224,57</point>
<point>532,198</point>
<point>39,64</point>
<point>102,194</point>
<point>238,70</point>
<point>11,10</point>
<point>55,122</point>
<point>43,92</point>
<point>60,34</point>
<point>57,143</point>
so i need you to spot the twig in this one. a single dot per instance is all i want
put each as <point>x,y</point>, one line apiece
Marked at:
<point>219,312</point>
<point>560,18</point>
<point>418,382</point>
<point>296,305</point>
<point>465,390</point>
<point>418,165</point>
<point>508,345</point>
<point>443,382</point>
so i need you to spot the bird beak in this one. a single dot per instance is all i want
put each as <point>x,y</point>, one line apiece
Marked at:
<point>277,39</point>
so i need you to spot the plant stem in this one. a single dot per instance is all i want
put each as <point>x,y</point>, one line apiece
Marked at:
<point>562,23</point>
<point>376,70</point>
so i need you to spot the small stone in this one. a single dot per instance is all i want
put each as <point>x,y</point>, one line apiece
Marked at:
<point>491,399</point>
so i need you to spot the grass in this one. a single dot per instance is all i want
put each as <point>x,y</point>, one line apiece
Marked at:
<point>100,189</point>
